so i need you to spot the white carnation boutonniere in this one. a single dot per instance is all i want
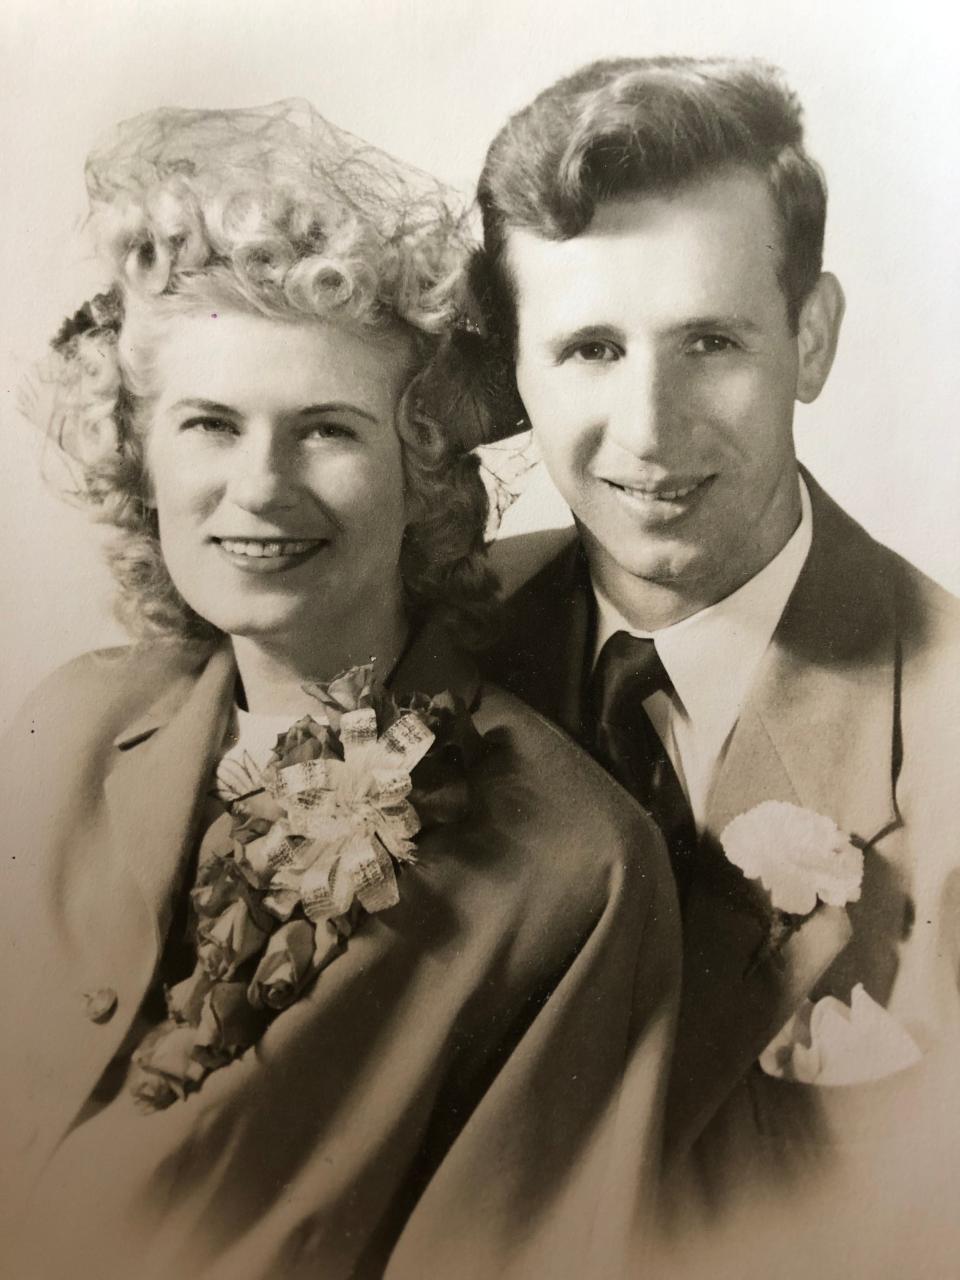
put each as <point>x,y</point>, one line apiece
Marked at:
<point>801,859</point>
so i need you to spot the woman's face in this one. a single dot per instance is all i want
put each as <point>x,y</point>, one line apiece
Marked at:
<point>276,472</point>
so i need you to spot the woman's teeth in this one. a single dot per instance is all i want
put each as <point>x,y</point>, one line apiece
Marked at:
<point>266,549</point>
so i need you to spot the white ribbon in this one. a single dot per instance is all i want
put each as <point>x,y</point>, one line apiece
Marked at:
<point>352,816</point>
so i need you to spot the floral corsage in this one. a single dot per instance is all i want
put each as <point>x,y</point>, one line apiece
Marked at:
<point>307,848</point>
<point>801,859</point>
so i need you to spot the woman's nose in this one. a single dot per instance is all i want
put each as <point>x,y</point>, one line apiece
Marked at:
<point>261,477</point>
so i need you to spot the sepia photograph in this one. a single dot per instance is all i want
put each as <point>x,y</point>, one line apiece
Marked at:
<point>480,640</point>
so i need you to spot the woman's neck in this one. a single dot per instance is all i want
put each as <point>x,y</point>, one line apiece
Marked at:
<point>273,673</point>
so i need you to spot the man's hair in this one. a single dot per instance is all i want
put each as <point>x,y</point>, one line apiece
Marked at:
<point>637,126</point>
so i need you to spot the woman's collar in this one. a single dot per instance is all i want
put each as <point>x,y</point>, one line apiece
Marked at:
<point>433,663</point>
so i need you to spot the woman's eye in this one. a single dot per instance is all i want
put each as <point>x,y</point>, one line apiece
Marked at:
<point>710,344</point>
<point>594,352</point>
<point>210,426</point>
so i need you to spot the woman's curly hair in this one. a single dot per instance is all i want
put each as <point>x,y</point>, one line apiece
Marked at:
<point>276,212</point>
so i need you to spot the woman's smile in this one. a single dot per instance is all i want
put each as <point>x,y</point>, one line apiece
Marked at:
<point>269,555</point>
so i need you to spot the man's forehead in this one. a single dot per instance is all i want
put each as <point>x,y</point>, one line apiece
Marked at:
<point>717,237</point>
<point>726,187</point>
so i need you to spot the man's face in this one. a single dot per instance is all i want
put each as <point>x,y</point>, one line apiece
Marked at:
<point>658,370</point>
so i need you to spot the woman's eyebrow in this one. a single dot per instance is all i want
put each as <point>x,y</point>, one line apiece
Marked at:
<point>335,406</point>
<point>308,411</point>
<point>204,406</point>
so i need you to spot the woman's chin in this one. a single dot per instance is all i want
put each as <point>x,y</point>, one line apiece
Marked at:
<point>271,630</point>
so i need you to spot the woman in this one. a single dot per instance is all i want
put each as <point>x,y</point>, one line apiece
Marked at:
<point>253,1037</point>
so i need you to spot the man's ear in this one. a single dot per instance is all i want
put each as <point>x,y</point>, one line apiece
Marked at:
<point>817,335</point>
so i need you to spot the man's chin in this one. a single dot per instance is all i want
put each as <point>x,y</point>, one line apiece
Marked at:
<point>666,585</point>
<point>671,566</point>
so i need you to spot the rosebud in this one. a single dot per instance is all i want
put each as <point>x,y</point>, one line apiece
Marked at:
<point>286,965</point>
<point>185,999</point>
<point>217,843</point>
<point>152,1092</point>
<point>229,940</point>
<point>228,1024</point>
<point>305,740</point>
<point>165,1067</point>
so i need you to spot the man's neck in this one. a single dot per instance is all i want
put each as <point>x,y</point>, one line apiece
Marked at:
<point>645,605</point>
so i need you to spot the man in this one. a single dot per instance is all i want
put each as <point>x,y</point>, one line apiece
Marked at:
<point>722,634</point>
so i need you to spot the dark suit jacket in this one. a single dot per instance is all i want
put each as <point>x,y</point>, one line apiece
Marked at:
<point>461,1091</point>
<point>854,713</point>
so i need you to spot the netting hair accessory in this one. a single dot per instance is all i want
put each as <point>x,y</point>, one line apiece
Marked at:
<point>274,212</point>
<point>291,211</point>
<point>103,312</point>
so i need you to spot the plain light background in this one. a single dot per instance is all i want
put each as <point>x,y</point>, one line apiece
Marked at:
<point>431,81</point>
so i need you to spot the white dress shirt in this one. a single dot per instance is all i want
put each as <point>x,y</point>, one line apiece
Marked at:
<point>711,658</point>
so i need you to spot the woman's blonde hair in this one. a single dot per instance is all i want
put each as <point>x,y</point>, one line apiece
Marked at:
<point>276,212</point>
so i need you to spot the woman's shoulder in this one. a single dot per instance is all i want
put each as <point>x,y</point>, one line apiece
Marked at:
<point>101,691</point>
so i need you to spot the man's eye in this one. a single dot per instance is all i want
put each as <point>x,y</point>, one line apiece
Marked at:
<point>329,431</point>
<point>710,344</point>
<point>594,352</point>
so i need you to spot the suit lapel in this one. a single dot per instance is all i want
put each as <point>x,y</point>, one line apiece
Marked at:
<point>732,1005</point>
<point>818,730</point>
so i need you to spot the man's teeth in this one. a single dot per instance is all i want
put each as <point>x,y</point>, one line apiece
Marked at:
<point>253,547</point>
<point>671,495</point>
<point>663,495</point>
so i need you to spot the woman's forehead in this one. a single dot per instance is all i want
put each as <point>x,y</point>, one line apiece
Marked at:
<point>242,359</point>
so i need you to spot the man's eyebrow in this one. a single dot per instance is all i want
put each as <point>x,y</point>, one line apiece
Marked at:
<point>706,323</point>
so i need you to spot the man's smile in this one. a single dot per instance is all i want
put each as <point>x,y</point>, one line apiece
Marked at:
<point>669,497</point>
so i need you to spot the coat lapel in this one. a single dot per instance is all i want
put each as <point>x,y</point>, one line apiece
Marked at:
<point>547,628</point>
<point>116,884</point>
<point>155,792</point>
<point>819,731</point>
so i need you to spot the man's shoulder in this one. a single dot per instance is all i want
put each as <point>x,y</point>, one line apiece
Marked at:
<point>926,615</point>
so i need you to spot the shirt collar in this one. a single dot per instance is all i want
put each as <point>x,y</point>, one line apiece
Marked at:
<point>712,656</point>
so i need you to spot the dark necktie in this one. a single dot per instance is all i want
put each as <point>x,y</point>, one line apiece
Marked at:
<point>628,671</point>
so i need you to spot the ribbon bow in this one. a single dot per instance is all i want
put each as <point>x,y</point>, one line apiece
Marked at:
<point>344,821</point>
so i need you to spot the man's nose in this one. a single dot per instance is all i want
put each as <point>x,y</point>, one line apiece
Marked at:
<point>640,407</point>
<point>262,477</point>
